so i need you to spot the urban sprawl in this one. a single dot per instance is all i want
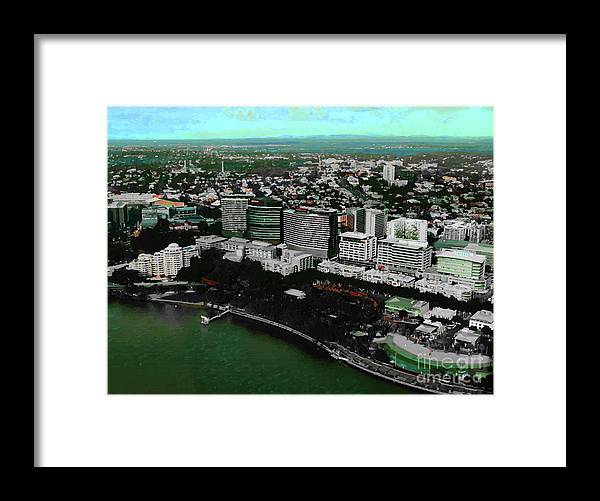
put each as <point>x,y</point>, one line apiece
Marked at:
<point>392,258</point>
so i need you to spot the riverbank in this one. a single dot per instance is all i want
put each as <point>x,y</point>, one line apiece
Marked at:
<point>369,366</point>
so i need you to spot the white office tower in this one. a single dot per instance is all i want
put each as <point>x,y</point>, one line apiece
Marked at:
<point>313,231</point>
<point>356,248</point>
<point>375,222</point>
<point>408,229</point>
<point>143,264</point>
<point>403,255</point>
<point>389,173</point>
<point>233,209</point>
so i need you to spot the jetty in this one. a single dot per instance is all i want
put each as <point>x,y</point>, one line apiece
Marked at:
<point>222,311</point>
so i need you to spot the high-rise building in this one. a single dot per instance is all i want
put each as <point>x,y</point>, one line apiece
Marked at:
<point>233,209</point>
<point>477,232</point>
<point>375,222</point>
<point>117,213</point>
<point>172,260</point>
<point>143,264</point>
<point>403,255</point>
<point>389,173</point>
<point>313,231</point>
<point>158,268</point>
<point>455,229</point>
<point>356,217</point>
<point>357,248</point>
<point>189,251</point>
<point>264,220</point>
<point>151,215</point>
<point>407,229</point>
<point>166,262</point>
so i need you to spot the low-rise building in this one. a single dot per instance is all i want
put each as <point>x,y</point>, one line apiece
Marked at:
<point>429,330</point>
<point>290,262</point>
<point>461,264</point>
<point>466,338</point>
<point>398,255</point>
<point>235,244</point>
<point>205,242</point>
<point>414,307</point>
<point>388,278</point>
<point>357,248</point>
<point>344,270</point>
<point>257,250</point>
<point>445,288</point>
<point>481,319</point>
<point>443,313</point>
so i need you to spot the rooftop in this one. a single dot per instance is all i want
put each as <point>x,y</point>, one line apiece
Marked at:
<point>209,239</point>
<point>355,234</point>
<point>467,336</point>
<point>442,312</point>
<point>462,255</point>
<point>400,303</point>
<point>427,328</point>
<point>415,244</point>
<point>260,243</point>
<point>483,316</point>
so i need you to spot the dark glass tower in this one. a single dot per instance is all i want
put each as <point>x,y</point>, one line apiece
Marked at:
<point>264,220</point>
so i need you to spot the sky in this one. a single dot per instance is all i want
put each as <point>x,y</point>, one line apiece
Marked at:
<point>289,121</point>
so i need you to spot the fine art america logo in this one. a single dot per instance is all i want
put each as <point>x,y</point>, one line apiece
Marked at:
<point>425,363</point>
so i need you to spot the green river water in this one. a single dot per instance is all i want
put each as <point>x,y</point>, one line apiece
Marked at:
<point>159,349</point>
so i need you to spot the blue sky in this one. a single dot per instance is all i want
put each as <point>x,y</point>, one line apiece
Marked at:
<point>259,122</point>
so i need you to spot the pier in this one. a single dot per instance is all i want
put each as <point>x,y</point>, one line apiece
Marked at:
<point>223,310</point>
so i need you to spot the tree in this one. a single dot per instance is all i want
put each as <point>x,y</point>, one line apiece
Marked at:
<point>123,276</point>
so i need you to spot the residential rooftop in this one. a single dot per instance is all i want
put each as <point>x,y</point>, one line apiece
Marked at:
<point>483,316</point>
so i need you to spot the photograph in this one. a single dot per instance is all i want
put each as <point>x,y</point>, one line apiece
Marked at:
<point>261,250</point>
<point>300,250</point>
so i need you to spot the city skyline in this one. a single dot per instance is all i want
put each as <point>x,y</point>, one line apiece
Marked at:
<point>194,123</point>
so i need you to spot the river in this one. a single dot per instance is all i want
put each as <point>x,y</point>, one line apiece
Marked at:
<point>160,349</point>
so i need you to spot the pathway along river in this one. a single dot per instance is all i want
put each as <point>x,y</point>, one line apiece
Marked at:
<point>156,349</point>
